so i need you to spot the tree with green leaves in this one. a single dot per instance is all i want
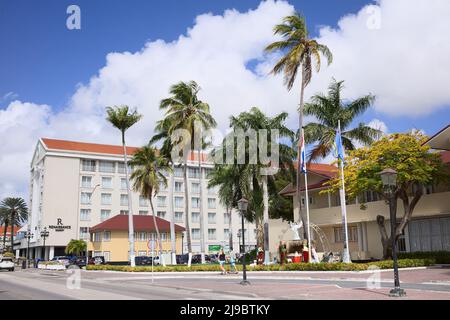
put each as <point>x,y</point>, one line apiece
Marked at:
<point>185,111</point>
<point>149,168</point>
<point>330,109</point>
<point>17,210</point>
<point>415,165</point>
<point>122,118</point>
<point>76,247</point>
<point>4,221</point>
<point>300,52</point>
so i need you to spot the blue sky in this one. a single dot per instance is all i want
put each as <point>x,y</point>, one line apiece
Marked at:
<point>56,82</point>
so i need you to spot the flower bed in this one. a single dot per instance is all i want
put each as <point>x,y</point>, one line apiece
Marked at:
<point>51,265</point>
<point>388,264</point>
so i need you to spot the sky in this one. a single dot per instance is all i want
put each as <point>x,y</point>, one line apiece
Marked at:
<point>56,82</point>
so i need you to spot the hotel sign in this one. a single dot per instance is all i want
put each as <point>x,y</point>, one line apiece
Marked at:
<point>59,227</point>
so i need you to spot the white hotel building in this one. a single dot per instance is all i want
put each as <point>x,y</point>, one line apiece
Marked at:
<point>76,185</point>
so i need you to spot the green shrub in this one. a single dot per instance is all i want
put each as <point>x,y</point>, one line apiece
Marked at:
<point>441,257</point>
<point>340,266</point>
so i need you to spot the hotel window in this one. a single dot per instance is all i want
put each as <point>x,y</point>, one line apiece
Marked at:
<point>212,191</point>
<point>151,236</point>
<point>124,212</point>
<point>211,234</point>
<point>97,237</point>
<point>178,216</point>
<point>195,217</point>
<point>142,236</point>
<point>211,203</point>
<point>106,198</point>
<point>178,186</point>
<point>105,214</point>
<point>85,214</point>
<point>163,236</point>
<point>107,236</point>
<point>195,233</point>
<point>226,218</point>
<point>143,201</point>
<point>179,203</point>
<point>195,202</point>
<point>86,197</point>
<point>123,199</point>
<point>340,237</point>
<point>143,212</point>
<point>161,201</point>
<point>86,182</point>
<point>161,214</point>
<point>193,173</point>
<point>208,172</point>
<point>84,233</point>
<point>88,165</point>
<point>226,234</point>
<point>178,172</point>
<point>107,255</point>
<point>162,186</point>
<point>107,183</point>
<point>123,184</point>
<point>106,166</point>
<point>211,217</point>
<point>195,187</point>
<point>121,168</point>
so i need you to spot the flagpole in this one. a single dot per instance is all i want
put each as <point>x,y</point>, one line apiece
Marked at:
<point>305,172</point>
<point>346,254</point>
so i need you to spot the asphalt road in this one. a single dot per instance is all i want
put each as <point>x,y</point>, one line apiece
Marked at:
<point>56,285</point>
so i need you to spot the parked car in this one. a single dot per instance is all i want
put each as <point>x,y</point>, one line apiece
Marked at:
<point>7,263</point>
<point>78,261</point>
<point>182,258</point>
<point>97,260</point>
<point>143,260</point>
<point>65,260</point>
<point>156,261</point>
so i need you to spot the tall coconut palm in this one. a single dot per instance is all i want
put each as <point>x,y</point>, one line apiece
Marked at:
<point>122,118</point>
<point>17,210</point>
<point>299,53</point>
<point>185,111</point>
<point>330,109</point>
<point>255,119</point>
<point>4,221</point>
<point>149,168</point>
<point>76,247</point>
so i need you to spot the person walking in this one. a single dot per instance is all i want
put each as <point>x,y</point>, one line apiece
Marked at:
<point>233,268</point>
<point>222,261</point>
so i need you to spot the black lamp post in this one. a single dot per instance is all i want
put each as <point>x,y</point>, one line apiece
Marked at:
<point>389,178</point>
<point>242,206</point>
<point>28,236</point>
<point>44,235</point>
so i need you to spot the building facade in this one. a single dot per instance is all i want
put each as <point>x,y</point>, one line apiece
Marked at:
<point>76,185</point>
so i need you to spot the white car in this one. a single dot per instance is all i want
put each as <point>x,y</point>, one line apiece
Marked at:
<point>7,263</point>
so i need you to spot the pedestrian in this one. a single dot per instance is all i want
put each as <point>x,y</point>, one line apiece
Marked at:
<point>222,261</point>
<point>233,268</point>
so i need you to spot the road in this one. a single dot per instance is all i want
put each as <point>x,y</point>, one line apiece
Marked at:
<point>431,283</point>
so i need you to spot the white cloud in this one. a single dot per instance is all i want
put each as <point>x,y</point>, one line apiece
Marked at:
<point>379,125</point>
<point>404,63</point>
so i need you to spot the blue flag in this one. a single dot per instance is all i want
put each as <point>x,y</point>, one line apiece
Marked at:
<point>338,145</point>
<point>303,154</point>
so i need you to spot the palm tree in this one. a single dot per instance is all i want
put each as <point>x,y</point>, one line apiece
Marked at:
<point>185,111</point>
<point>76,247</point>
<point>17,210</point>
<point>300,51</point>
<point>4,220</point>
<point>330,109</point>
<point>122,118</point>
<point>255,119</point>
<point>149,168</point>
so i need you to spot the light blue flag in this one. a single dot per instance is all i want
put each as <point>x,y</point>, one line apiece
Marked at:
<point>338,145</point>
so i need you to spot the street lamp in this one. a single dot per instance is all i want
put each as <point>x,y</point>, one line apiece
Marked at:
<point>389,179</point>
<point>44,235</point>
<point>28,236</point>
<point>242,206</point>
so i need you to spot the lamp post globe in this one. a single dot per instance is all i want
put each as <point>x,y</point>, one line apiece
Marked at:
<point>389,179</point>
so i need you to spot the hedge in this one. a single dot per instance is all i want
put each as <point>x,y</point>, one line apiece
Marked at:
<point>441,257</point>
<point>388,264</point>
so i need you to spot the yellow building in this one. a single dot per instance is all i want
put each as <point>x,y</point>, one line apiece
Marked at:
<point>110,238</point>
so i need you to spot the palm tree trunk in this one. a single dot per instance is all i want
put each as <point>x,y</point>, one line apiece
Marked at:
<point>130,208</point>
<point>4,235</point>
<point>186,212</point>
<point>300,126</point>
<point>266,220</point>
<point>13,223</point>
<point>158,235</point>
<point>202,223</point>
<point>172,220</point>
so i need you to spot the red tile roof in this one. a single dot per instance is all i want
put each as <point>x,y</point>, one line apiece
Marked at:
<point>140,223</point>
<point>55,144</point>
<point>8,231</point>
<point>445,156</point>
<point>291,189</point>
<point>323,169</point>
